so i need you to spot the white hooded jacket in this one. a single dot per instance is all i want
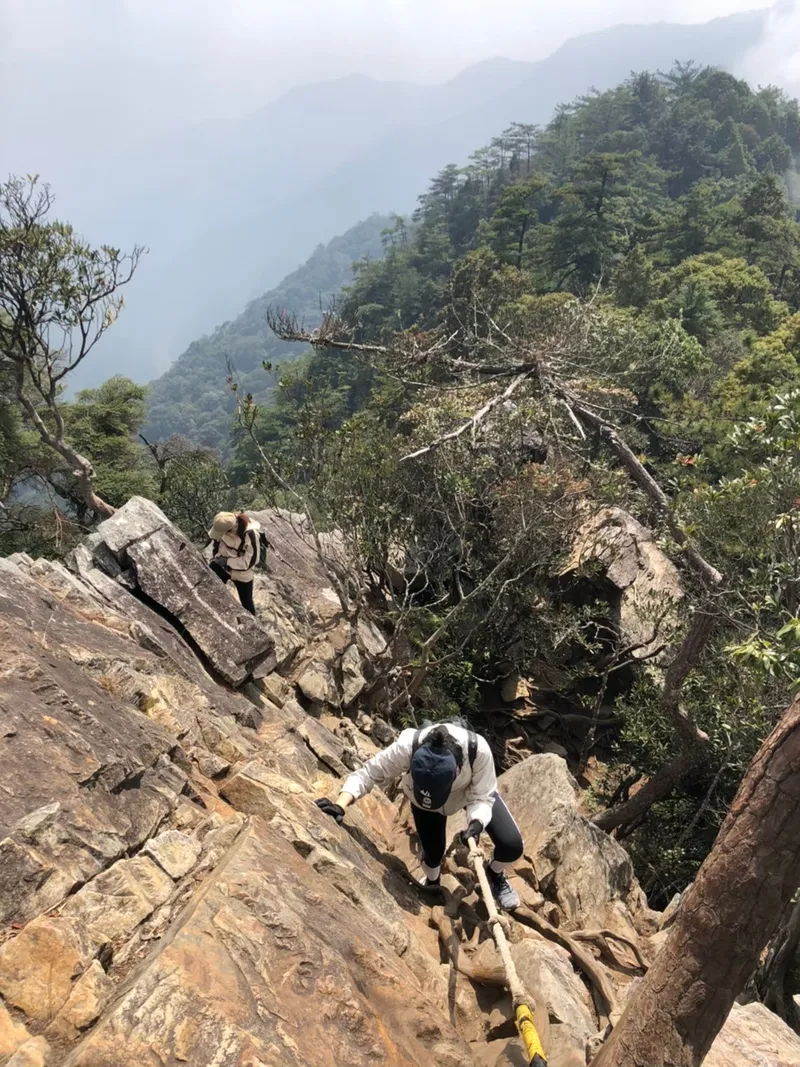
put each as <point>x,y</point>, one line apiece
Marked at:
<point>473,789</point>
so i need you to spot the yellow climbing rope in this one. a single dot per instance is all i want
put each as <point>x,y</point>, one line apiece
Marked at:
<point>522,1011</point>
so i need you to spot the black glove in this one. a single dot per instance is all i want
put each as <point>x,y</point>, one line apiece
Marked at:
<point>472,833</point>
<point>336,811</point>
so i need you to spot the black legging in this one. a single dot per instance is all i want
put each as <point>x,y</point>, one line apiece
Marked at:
<point>504,832</point>
<point>244,589</point>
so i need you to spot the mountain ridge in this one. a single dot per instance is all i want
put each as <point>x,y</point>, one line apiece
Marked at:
<point>300,181</point>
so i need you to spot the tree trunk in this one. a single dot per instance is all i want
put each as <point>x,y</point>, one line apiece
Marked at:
<point>83,471</point>
<point>728,916</point>
<point>694,741</point>
<point>656,788</point>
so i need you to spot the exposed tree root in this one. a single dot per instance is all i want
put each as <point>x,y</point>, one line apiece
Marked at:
<point>450,938</point>
<point>601,939</point>
<point>604,996</point>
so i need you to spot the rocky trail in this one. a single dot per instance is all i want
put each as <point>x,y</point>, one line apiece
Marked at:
<point>169,892</point>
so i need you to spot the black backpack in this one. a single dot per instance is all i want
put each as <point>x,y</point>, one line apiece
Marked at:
<point>472,746</point>
<point>263,544</point>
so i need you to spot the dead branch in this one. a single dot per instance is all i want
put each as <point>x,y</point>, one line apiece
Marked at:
<point>639,474</point>
<point>473,421</point>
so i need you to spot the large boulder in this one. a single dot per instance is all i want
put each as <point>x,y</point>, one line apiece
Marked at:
<point>578,866</point>
<point>647,586</point>
<point>302,570</point>
<point>547,972</point>
<point>754,1037</point>
<point>171,574</point>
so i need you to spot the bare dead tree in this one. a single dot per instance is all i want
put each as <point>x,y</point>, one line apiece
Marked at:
<point>58,296</point>
<point>556,363</point>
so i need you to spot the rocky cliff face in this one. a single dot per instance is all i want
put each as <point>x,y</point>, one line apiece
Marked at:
<point>170,894</point>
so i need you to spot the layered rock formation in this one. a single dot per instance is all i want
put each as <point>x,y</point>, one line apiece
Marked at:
<point>169,892</point>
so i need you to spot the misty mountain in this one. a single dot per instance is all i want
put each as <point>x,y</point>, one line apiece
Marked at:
<point>192,398</point>
<point>227,210</point>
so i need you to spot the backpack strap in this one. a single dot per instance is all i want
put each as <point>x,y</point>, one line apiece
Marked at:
<point>472,748</point>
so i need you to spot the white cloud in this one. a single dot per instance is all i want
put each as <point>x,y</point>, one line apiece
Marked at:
<point>92,75</point>
<point>776,58</point>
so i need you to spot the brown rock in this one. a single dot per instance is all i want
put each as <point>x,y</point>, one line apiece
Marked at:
<point>210,764</point>
<point>754,1037</point>
<point>86,1001</point>
<point>39,965</point>
<point>592,876</point>
<point>22,872</point>
<point>114,903</point>
<point>316,684</point>
<point>137,520</point>
<point>12,1034</point>
<point>297,579</point>
<point>257,791</point>
<point>647,581</point>
<point>372,640</point>
<point>547,973</point>
<point>513,689</point>
<point>274,966</point>
<point>382,733</point>
<point>33,1053</point>
<point>175,852</point>
<point>277,689</point>
<point>174,576</point>
<point>353,680</point>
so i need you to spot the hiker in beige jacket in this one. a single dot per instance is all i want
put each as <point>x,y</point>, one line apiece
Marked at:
<point>236,553</point>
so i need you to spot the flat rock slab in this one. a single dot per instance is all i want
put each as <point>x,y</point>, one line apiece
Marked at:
<point>273,965</point>
<point>137,519</point>
<point>174,852</point>
<point>173,575</point>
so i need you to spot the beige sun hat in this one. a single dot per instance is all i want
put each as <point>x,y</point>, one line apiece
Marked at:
<point>224,522</point>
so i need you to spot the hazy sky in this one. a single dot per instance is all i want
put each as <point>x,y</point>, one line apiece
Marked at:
<point>91,72</point>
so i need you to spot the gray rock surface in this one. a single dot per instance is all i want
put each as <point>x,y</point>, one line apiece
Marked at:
<point>577,865</point>
<point>647,582</point>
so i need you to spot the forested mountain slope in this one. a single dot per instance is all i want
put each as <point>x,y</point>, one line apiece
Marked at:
<point>606,311</point>
<point>226,212</point>
<point>192,398</point>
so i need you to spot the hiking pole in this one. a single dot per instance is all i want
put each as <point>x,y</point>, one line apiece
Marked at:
<point>522,1012</point>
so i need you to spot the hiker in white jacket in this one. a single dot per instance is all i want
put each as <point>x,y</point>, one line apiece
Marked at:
<point>443,769</point>
<point>236,552</point>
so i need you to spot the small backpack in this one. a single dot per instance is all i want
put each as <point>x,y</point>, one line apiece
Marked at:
<point>472,745</point>
<point>263,544</point>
